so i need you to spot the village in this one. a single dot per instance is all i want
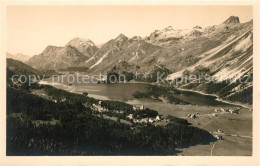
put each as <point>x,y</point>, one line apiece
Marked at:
<point>132,117</point>
<point>106,113</point>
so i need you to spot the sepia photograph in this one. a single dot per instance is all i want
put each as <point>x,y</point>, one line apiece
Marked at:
<point>128,80</point>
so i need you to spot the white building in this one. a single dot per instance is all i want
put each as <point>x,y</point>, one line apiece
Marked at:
<point>233,111</point>
<point>193,116</point>
<point>157,118</point>
<point>151,120</point>
<point>98,108</point>
<point>138,107</point>
<point>219,137</point>
<point>130,116</point>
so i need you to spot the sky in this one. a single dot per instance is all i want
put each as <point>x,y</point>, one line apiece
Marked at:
<point>32,28</point>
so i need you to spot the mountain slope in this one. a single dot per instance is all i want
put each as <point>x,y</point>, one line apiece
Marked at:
<point>84,46</point>
<point>231,68</point>
<point>17,68</point>
<point>72,54</point>
<point>120,49</point>
<point>55,58</point>
<point>18,56</point>
<point>174,49</point>
<point>20,68</point>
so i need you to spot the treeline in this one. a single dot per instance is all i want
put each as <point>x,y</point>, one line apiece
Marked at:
<point>80,132</point>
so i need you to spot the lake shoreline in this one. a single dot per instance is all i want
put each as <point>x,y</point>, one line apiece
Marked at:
<point>217,98</point>
<point>206,94</point>
<point>101,97</point>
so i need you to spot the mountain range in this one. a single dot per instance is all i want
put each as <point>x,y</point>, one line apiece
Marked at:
<point>225,49</point>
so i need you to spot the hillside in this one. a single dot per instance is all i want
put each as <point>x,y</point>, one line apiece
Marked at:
<point>84,46</point>
<point>121,49</point>
<point>231,67</point>
<point>20,68</point>
<point>18,56</point>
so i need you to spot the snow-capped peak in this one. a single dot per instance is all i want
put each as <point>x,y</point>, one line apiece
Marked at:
<point>169,32</point>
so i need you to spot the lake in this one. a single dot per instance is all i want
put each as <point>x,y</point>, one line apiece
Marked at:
<point>124,92</point>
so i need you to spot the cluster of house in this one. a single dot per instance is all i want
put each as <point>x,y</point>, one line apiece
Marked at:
<point>139,107</point>
<point>136,107</point>
<point>219,137</point>
<point>193,116</point>
<point>219,134</point>
<point>145,120</point>
<point>98,107</point>
<point>230,110</point>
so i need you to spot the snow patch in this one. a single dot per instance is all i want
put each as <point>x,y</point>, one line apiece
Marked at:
<point>244,45</point>
<point>100,60</point>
